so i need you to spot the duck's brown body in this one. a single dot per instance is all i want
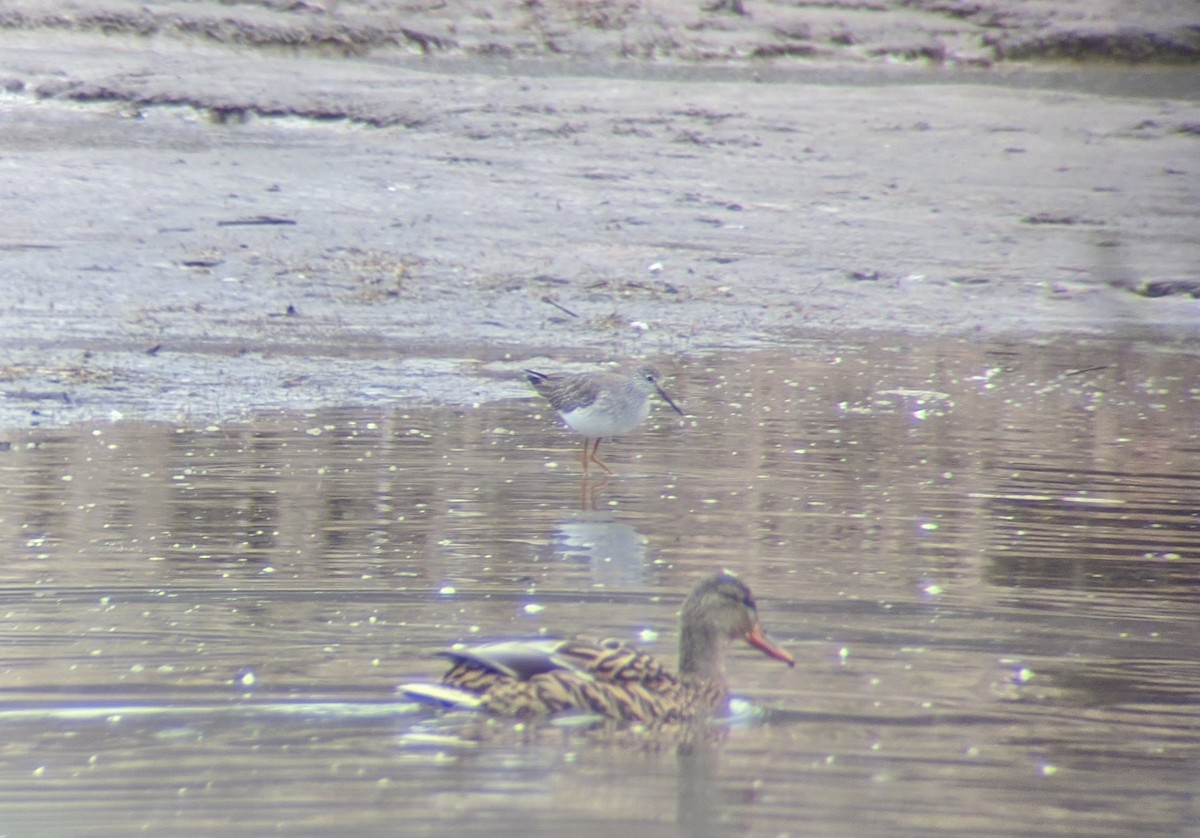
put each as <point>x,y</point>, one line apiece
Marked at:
<point>610,678</point>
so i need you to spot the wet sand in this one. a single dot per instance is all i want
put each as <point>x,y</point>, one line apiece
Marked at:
<point>213,210</point>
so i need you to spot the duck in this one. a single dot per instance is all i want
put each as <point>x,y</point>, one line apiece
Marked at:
<point>601,404</point>
<point>610,678</point>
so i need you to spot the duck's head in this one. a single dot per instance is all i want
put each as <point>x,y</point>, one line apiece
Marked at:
<point>720,608</point>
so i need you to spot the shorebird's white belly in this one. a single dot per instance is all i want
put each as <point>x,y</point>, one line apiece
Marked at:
<point>593,421</point>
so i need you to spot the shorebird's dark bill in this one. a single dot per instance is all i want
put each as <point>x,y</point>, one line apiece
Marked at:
<point>668,399</point>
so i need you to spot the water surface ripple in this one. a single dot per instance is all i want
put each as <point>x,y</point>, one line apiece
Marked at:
<point>985,558</point>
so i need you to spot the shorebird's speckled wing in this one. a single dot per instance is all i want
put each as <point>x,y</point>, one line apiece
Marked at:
<point>567,392</point>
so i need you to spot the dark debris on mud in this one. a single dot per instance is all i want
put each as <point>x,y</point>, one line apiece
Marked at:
<point>932,30</point>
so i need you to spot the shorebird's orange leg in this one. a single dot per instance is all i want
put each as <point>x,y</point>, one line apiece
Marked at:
<point>595,459</point>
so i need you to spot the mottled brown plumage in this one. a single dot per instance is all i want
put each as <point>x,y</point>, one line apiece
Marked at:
<point>611,678</point>
<point>600,404</point>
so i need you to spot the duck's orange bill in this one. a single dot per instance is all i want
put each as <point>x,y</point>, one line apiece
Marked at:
<point>758,640</point>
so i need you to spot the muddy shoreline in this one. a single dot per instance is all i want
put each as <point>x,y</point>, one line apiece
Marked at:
<point>977,34</point>
<point>215,210</point>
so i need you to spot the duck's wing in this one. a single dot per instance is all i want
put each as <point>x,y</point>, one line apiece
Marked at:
<point>546,676</point>
<point>607,679</point>
<point>520,660</point>
<point>478,668</point>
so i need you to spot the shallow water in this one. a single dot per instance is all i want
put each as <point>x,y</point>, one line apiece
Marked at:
<point>985,558</point>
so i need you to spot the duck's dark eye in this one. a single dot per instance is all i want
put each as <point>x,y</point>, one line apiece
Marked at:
<point>739,597</point>
<point>737,591</point>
